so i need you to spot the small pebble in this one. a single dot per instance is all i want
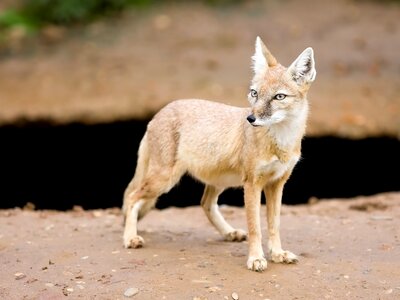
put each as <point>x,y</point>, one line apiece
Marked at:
<point>49,227</point>
<point>389,291</point>
<point>235,296</point>
<point>131,292</point>
<point>19,275</point>
<point>213,289</point>
<point>49,284</point>
<point>77,208</point>
<point>381,218</point>
<point>200,281</point>
<point>97,213</point>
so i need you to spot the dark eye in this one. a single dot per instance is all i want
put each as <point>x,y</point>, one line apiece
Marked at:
<point>253,93</point>
<point>280,96</point>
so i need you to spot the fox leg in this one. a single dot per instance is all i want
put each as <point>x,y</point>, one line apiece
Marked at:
<point>140,172</point>
<point>273,194</point>
<point>141,200</point>
<point>209,202</point>
<point>131,238</point>
<point>130,197</point>
<point>252,200</point>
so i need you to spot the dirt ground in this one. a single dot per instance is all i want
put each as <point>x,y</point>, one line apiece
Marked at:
<point>348,250</point>
<point>132,65</point>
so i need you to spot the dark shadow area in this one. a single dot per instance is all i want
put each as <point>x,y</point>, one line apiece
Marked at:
<point>56,167</point>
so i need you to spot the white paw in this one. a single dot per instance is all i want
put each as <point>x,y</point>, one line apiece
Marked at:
<point>237,235</point>
<point>286,257</point>
<point>257,264</point>
<point>135,242</point>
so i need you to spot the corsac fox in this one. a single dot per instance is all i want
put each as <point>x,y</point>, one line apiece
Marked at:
<point>225,146</point>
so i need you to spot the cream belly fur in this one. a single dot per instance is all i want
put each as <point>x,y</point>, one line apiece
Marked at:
<point>223,180</point>
<point>273,169</point>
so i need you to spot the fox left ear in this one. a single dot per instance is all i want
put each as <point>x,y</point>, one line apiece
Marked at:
<point>262,58</point>
<point>302,69</point>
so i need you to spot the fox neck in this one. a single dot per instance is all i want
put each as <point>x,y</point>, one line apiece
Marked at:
<point>288,133</point>
<point>286,136</point>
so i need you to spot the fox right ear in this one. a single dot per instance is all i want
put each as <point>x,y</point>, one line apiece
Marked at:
<point>262,58</point>
<point>302,69</point>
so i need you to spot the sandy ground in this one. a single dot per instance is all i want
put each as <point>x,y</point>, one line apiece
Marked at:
<point>348,250</point>
<point>132,65</point>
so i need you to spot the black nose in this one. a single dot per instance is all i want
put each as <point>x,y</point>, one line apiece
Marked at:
<point>251,119</point>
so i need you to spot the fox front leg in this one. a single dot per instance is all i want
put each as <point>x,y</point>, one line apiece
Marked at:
<point>252,199</point>
<point>273,195</point>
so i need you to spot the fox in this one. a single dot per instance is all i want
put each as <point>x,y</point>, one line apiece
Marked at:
<point>224,146</point>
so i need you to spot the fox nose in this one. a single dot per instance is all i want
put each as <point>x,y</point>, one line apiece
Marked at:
<point>251,119</point>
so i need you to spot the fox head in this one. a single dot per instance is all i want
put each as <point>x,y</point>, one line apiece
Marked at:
<point>278,94</point>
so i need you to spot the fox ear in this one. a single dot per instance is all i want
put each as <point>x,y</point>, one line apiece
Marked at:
<point>262,58</point>
<point>302,69</point>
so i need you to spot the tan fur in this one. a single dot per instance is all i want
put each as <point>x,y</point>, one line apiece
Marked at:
<point>215,144</point>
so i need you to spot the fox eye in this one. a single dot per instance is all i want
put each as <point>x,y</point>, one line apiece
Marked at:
<point>279,96</point>
<point>253,93</point>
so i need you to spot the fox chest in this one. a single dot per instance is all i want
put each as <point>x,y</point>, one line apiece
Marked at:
<point>273,169</point>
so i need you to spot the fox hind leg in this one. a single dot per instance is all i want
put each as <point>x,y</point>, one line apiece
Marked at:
<point>209,202</point>
<point>140,172</point>
<point>131,238</point>
<point>140,201</point>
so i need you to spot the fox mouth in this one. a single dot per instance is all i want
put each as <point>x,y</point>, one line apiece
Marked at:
<point>253,121</point>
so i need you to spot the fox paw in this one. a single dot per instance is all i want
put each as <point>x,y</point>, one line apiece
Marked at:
<point>286,257</point>
<point>257,264</point>
<point>238,235</point>
<point>135,242</point>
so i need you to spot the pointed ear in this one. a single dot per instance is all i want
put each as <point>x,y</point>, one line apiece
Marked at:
<point>262,58</point>
<point>302,70</point>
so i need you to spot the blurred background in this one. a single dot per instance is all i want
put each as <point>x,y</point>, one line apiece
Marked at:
<point>79,81</point>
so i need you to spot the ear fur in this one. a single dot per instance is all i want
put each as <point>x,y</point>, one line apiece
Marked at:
<point>262,58</point>
<point>302,69</point>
